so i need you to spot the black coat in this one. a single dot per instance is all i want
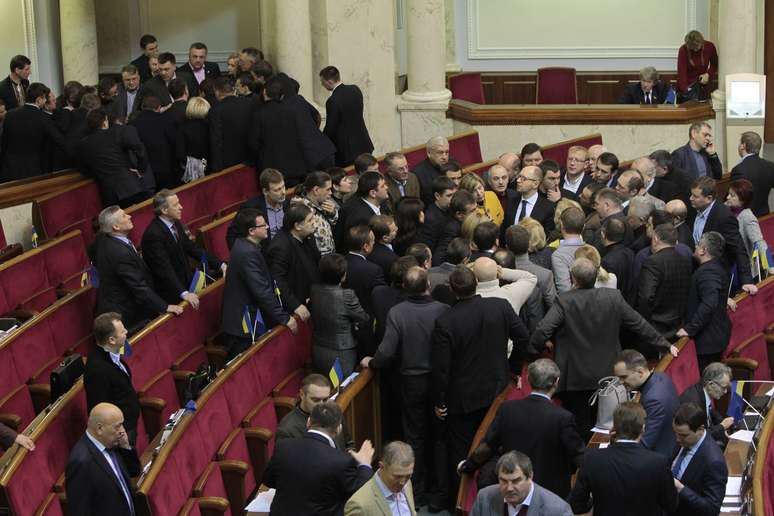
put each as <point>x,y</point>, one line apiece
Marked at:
<point>258,202</point>
<point>362,277</point>
<point>344,124</point>
<point>450,231</point>
<point>705,480</point>
<point>91,484</point>
<point>229,125</point>
<point>426,172</point>
<point>7,93</point>
<point>317,148</point>
<point>119,106</point>
<point>662,294</point>
<point>569,194</point>
<point>211,70</point>
<point>143,67</point>
<point>157,134</point>
<point>293,265</point>
<point>695,394</point>
<point>384,257</point>
<point>125,283</point>
<point>168,259</point>
<point>355,212</point>
<point>596,239</point>
<point>663,189</point>
<point>707,319</point>
<point>721,219</point>
<point>624,479</point>
<point>311,477</point>
<point>633,93</point>
<point>176,113</point>
<point>682,183</point>
<point>619,260</point>
<point>193,139</point>
<point>274,140</point>
<point>435,220</point>
<point>543,212</point>
<point>470,343</point>
<point>28,139</point>
<point>760,172</point>
<point>682,158</point>
<point>158,88</point>
<point>249,283</point>
<point>105,382</point>
<point>108,155</point>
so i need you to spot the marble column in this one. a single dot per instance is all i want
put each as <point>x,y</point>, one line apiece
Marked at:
<point>423,106</point>
<point>78,21</point>
<point>294,43</point>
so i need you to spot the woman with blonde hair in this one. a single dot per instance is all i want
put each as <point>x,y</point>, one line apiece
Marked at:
<point>539,254</point>
<point>488,203</point>
<point>470,223</point>
<point>193,139</point>
<point>604,279</point>
<point>556,235</point>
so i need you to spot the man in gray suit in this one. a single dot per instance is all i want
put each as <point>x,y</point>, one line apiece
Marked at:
<point>516,493</point>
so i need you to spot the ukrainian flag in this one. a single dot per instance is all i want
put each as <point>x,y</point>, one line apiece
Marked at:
<point>84,279</point>
<point>336,374</point>
<point>126,349</point>
<point>247,323</point>
<point>765,257</point>
<point>34,237</point>
<point>197,282</point>
<point>736,403</point>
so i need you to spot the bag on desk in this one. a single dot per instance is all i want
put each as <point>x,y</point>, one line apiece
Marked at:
<point>197,382</point>
<point>610,394</point>
<point>63,377</point>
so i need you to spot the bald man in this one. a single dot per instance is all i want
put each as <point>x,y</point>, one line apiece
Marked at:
<point>101,465</point>
<point>518,287</point>
<point>595,151</point>
<point>679,212</point>
<point>528,203</point>
<point>496,179</point>
<point>511,162</point>
<point>437,156</point>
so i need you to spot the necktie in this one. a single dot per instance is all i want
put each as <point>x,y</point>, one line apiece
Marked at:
<point>647,98</point>
<point>523,212</point>
<point>678,465</point>
<point>17,88</point>
<point>523,511</point>
<point>121,479</point>
<point>173,229</point>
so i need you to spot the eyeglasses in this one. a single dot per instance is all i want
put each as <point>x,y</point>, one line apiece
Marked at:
<point>576,160</point>
<point>260,226</point>
<point>525,178</point>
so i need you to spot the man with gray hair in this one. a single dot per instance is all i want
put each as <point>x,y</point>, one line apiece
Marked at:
<point>715,382</point>
<point>430,168</point>
<point>759,171</point>
<point>648,90</point>
<point>659,189</point>
<point>126,284</point>
<point>389,490</point>
<point>400,182</point>
<point>536,427</point>
<point>517,493</point>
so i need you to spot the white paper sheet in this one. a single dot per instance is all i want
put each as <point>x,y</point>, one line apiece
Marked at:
<point>600,430</point>
<point>262,502</point>
<point>733,486</point>
<point>604,445</point>
<point>743,435</point>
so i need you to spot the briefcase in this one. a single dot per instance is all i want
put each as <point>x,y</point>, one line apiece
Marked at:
<point>63,377</point>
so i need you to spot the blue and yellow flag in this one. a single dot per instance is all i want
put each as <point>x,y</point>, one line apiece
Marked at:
<point>336,374</point>
<point>671,97</point>
<point>736,403</point>
<point>197,282</point>
<point>765,257</point>
<point>126,349</point>
<point>247,323</point>
<point>34,237</point>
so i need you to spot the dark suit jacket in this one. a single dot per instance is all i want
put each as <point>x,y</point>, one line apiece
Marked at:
<point>658,397</point>
<point>92,486</point>
<point>311,477</point>
<point>663,189</point>
<point>760,172</point>
<point>105,382</point>
<point>633,93</point>
<point>27,143</point>
<point>624,479</point>
<point>157,134</point>
<point>249,283</point>
<point>695,394</point>
<point>662,295</point>
<point>318,150</point>
<point>384,257</point>
<point>7,436</point>
<point>596,239</point>
<point>293,266</point>
<point>619,260</point>
<point>143,67</point>
<point>119,104</point>
<point>450,231</point>
<point>426,172</point>
<point>435,220</point>
<point>362,277</point>
<point>543,212</point>
<point>575,196</point>
<point>682,183</point>
<point>176,113</point>
<point>274,140</point>
<point>125,283</point>
<point>682,158</point>
<point>168,259</point>
<point>158,88</point>
<point>721,219</point>
<point>344,124</point>
<point>467,376</point>
<point>7,93</point>
<point>211,70</point>
<point>411,189</point>
<point>258,202</point>
<point>355,212</point>
<point>705,481</point>
<point>707,319</point>
<point>229,125</point>
<point>107,155</point>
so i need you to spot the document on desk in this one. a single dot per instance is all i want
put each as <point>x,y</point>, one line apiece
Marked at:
<point>733,487</point>
<point>262,502</point>
<point>743,435</point>
<point>600,430</point>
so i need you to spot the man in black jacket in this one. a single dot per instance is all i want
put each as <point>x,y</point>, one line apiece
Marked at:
<point>536,427</point>
<point>101,466</point>
<point>759,171</point>
<point>430,168</point>
<point>698,157</point>
<point>150,48</point>
<point>108,377</point>
<point>310,475</point>
<point>608,205</point>
<point>197,64</point>
<point>127,102</point>
<point>618,258</point>
<point>229,126</point>
<point>528,203</point>
<point>249,287</point>
<point>624,478</point>
<point>437,213</point>
<point>461,205</point>
<point>715,382</point>
<point>371,198</point>
<point>157,86</point>
<point>125,282</point>
<point>362,277</point>
<point>157,134</point>
<point>13,89</point>
<point>166,249</point>
<point>272,202</point>
<point>648,90</point>
<point>382,254</point>
<point>344,123</point>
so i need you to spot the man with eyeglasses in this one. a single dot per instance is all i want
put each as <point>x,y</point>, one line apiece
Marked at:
<point>715,382</point>
<point>575,177</point>
<point>528,203</point>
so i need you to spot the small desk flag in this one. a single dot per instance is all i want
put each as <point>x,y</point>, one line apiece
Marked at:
<point>336,374</point>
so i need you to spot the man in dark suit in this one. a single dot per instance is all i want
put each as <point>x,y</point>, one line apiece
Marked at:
<point>437,213</point>
<point>310,475</point>
<point>166,249</point>
<point>101,466</point>
<point>648,90</point>
<point>699,468</point>
<point>370,199</point>
<point>618,258</point>
<point>150,48</point>
<point>536,427</point>
<point>125,282</point>
<point>714,384</point>
<point>497,179</point>
<point>115,157</point>
<point>158,86</point>
<point>362,277</point>
<point>430,167</point>
<point>272,202</point>
<point>608,205</point>
<point>711,215</point>
<point>9,437</point>
<point>344,123</point>
<point>528,203</point>
<point>698,157</point>
<point>400,182</point>
<point>318,150</point>
<point>574,177</point>
<point>293,257</point>
<point>707,320</point>
<point>28,136</point>
<point>197,64</point>
<point>158,136</point>
<point>759,171</point>
<point>466,377</point>
<point>666,171</point>
<point>586,342</point>
<point>462,204</point>
<point>382,254</point>
<point>249,286</point>
<point>178,90</point>
<point>658,397</point>
<point>624,478</point>
<point>13,89</point>
<point>229,125</point>
<point>107,378</point>
<point>127,102</point>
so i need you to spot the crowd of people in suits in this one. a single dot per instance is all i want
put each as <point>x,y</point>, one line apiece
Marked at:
<point>447,282</point>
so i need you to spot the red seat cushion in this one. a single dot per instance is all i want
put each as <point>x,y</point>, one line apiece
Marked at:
<point>214,422</point>
<point>172,487</point>
<point>744,323</point>
<point>242,381</point>
<point>235,448</point>
<point>76,204</point>
<point>211,484</point>
<point>73,319</point>
<point>467,86</point>
<point>263,415</point>
<point>18,402</point>
<point>214,237</point>
<point>33,348</point>
<point>39,301</point>
<point>66,259</point>
<point>558,152</point>
<point>767,227</point>
<point>163,387</point>
<point>9,374</point>
<point>684,369</point>
<point>556,85</point>
<point>22,280</point>
<point>756,348</point>
<point>149,358</point>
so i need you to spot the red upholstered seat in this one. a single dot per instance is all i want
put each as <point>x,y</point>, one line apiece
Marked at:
<point>16,408</point>
<point>142,215</point>
<point>755,347</point>
<point>556,85</point>
<point>23,278</point>
<point>172,487</point>
<point>744,323</point>
<point>149,357</point>
<point>73,319</point>
<point>213,236</point>
<point>39,301</point>
<point>763,304</point>
<point>290,385</point>
<point>467,86</point>
<point>464,147</point>
<point>243,380</point>
<point>684,369</point>
<point>67,259</point>
<point>158,399</point>
<point>767,227</point>
<point>50,506</point>
<point>142,436</point>
<point>234,449</point>
<point>33,348</point>
<point>558,152</point>
<point>77,204</point>
<point>191,508</point>
<point>260,426</point>
<point>211,484</point>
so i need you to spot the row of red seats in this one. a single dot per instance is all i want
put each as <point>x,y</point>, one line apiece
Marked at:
<point>554,85</point>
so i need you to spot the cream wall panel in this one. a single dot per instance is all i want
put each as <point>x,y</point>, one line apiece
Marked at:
<point>12,39</point>
<point>117,43</point>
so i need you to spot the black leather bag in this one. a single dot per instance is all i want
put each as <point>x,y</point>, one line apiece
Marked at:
<point>197,382</point>
<point>63,377</point>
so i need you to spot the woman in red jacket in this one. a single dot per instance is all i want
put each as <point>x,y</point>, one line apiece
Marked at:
<point>697,65</point>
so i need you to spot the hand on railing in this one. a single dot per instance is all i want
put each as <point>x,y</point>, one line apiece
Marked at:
<point>750,288</point>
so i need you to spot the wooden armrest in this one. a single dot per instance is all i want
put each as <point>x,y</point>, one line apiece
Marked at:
<point>41,395</point>
<point>12,421</point>
<point>264,434</point>
<point>234,466</point>
<point>741,363</point>
<point>212,505</point>
<point>62,292</point>
<point>152,403</point>
<point>216,356</point>
<point>59,486</point>
<point>283,405</point>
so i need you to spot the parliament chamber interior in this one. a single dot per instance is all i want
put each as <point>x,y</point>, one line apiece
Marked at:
<point>272,145</point>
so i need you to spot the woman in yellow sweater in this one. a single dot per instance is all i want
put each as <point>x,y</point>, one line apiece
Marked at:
<point>488,203</point>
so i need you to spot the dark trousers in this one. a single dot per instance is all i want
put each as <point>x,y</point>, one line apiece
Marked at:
<point>705,360</point>
<point>416,411</point>
<point>134,199</point>
<point>235,345</point>
<point>461,430</point>
<point>577,402</point>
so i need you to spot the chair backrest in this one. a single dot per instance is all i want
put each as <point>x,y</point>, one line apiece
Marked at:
<point>556,85</point>
<point>767,227</point>
<point>467,86</point>
<point>213,236</point>
<point>75,205</point>
<point>683,369</point>
<point>558,151</point>
<point>464,147</point>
